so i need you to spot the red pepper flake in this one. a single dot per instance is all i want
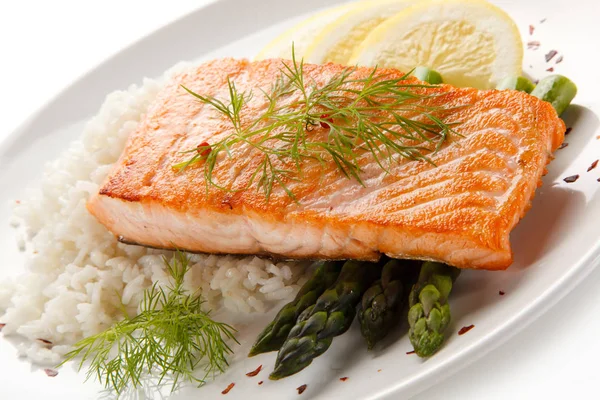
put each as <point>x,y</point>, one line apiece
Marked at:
<point>501,293</point>
<point>260,383</point>
<point>465,329</point>
<point>228,388</point>
<point>551,69</point>
<point>204,149</point>
<point>531,29</point>
<point>571,179</point>
<point>410,352</point>
<point>344,379</point>
<point>563,145</point>
<point>598,137</point>
<point>568,131</point>
<point>44,341</point>
<point>598,180</point>
<point>536,81</point>
<point>550,55</point>
<point>327,118</point>
<point>2,326</point>
<point>255,372</point>
<point>594,165</point>
<point>559,60</point>
<point>301,389</point>
<point>51,372</point>
<point>533,45</point>
<point>378,370</point>
<point>18,201</point>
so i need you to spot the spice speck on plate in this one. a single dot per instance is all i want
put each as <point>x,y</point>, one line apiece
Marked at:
<point>344,379</point>
<point>571,179</point>
<point>301,389</point>
<point>531,29</point>
<point>410,352</point>
<point>255,372</point>
<point>2,326</point>
<point>501,293</point>
<point>228,388</point>
<point>550,55</point>
<point>551,69</point>
<point>593,165</point>
<point>51,372</point>
<point>569,129</point>
<point>533,45</point>
<point>559,59</point>
<point>465,329</point>
<point>260,382</point>
<point>563,145</point>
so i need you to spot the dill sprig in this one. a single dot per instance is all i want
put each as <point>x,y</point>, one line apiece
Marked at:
<point>362,116</point>
<point>169,338</point>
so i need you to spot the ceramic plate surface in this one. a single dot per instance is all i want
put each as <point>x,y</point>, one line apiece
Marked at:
<point>555,246</point>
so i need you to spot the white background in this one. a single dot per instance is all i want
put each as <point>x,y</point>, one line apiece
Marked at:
<point>44,45</point>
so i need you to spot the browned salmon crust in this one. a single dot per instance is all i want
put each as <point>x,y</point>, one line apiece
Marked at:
<point>459,211</point>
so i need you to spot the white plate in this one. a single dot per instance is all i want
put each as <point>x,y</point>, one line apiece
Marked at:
<point>555,246</point>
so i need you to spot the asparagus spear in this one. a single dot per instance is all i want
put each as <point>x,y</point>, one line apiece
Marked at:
<point>330,316</point>
<point>382,302</point>
<point>429,313</point>
<point>273,336</point>
<point>427,75</point>
<point>519,83</point>
<point>557,90</point>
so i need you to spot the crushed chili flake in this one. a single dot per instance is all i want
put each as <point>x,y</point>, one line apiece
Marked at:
<point>410,352</point>
<point>559,59</point>
<point>44,341</point>
<point>204,149</point>
<point>571,179</point>
<point>550,55</point>
<point>18,201</point>
<point>501,293</point>
<point>598,137</point>
<point>563,145</point>
<point>551,69</point>
<point>465,329</point>
<point>536,81</point>
<point>255,372</point>
<point>344,379</point>
<point>2,326</point>
<point>378,370</point>
<point>594,165</point>
<point>228,388</point>
<point>301,389</point>
<point>260,383</point>
<point>51,372</point>
<point>324,124</point>
<point>598,179</point>
<point>533,45</point>
<point>531,29</point>
<point>568,131</point>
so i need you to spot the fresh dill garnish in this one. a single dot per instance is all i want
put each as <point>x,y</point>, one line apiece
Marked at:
<point>365,115</point>
<point>168,339</point>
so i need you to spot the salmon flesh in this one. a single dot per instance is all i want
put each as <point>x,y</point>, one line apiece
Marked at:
<point>458,207</point>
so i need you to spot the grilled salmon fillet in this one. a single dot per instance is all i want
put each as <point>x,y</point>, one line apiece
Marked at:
<point>459,208</point>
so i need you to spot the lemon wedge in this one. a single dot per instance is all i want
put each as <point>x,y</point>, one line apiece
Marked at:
<point>301,34</point>
<point>470,42</point>
<point>337,41</point>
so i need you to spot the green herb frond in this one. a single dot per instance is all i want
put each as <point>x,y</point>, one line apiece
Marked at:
<point>364,116</point>
<point>169,338</point>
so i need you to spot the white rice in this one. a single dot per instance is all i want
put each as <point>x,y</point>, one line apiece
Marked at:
<point>77,274</point>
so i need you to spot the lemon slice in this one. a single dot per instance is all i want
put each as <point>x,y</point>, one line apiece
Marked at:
<point>470,42</point>
<point>301,34</point>
<point>336,42</point>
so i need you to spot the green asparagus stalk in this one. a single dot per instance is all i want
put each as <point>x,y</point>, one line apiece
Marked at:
<point>383,301</point>
<point>274,334</point>
<point>330,316</point>
<point>429,313</point>
<point>427,75</point>
<point>557,90</point>
<point>519,83</point>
